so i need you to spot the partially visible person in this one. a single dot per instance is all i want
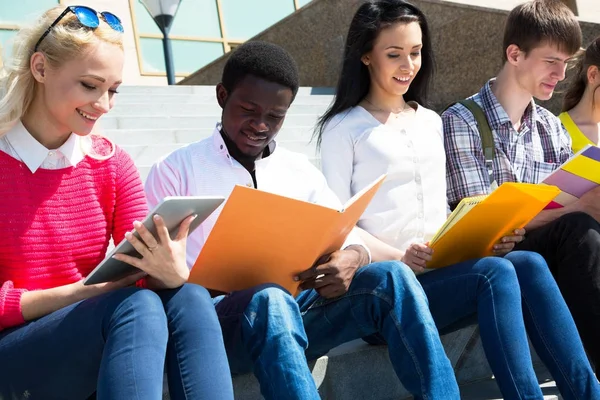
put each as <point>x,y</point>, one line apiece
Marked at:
<point>65,193</point>
<point>581,109</point>
<point>378,124</point>
<point>540,38</point>
<point>344,297</point>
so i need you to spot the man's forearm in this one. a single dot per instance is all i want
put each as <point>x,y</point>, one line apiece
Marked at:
<point>380,251</point>
<point>547,216</point>
<point>363,254</point>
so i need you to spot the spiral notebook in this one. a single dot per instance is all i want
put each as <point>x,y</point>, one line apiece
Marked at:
<point>479,222</point>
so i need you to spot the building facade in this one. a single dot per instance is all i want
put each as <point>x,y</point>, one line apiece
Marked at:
<point>202,30</point>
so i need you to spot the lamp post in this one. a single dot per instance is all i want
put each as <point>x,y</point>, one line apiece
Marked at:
<point>163,12</point>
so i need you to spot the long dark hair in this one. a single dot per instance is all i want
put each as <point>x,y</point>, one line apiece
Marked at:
<point>586,59</point>
<point>355,81</point>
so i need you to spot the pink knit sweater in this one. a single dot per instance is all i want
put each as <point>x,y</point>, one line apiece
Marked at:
<point>56,224</point>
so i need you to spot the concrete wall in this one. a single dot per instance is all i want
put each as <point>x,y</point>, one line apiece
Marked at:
<point>467,42</point>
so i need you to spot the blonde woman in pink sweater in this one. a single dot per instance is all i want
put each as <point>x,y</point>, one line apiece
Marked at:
<point>65,194</point>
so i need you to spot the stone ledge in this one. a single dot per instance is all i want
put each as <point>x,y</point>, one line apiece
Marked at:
<point>356,370</point>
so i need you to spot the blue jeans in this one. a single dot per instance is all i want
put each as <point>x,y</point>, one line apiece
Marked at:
<point>268,331</point>
<point>117,343</point>
<point>512,297</point>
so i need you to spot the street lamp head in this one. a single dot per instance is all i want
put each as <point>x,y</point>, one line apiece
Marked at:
<point>162,11</point>
<point>161,7</point>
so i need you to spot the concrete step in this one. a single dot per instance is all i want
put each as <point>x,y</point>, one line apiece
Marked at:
<point>187,122</point>
<point>144,170</point>
<point>173,89</point>
<point>169,109</point>
<point>148,154</point>
<point>124,137</point>
<point>205,89</point>
<point>356,370</point>
<point>184,136</point>
<point>205,98</point>
<point>488,389</point>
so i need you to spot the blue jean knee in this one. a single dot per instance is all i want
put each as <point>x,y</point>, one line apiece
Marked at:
<point>147,305</point>
<point>187,296</point>
<point>387,279</point>
<point>270,299</point>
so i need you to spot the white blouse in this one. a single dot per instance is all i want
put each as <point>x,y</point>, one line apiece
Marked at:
<point>410,206</point>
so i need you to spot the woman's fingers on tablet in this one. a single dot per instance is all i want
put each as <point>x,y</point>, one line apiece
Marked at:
<point>133,261</point>
<point>161,229</point>
<point>147,237</point>
<point>184,228</point>
<point>138,244</point>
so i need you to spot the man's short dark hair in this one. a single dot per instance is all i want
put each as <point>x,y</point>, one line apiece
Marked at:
<point>263,60</point>
<point>542,21</point>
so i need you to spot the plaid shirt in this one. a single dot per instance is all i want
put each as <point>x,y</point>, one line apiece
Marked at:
<point>539,147</point>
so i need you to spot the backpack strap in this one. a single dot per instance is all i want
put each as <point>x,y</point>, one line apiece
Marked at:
<point>485,133</point>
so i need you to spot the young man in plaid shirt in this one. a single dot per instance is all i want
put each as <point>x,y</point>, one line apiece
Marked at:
<point>539,39</point>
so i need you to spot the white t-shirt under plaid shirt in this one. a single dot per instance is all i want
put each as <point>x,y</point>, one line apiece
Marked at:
<point>539,147</point>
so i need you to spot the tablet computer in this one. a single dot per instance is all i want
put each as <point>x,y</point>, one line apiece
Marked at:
<point>173,210</point>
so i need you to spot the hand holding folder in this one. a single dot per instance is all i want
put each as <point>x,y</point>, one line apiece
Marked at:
<point>280,238</point>
<point>479,222</point>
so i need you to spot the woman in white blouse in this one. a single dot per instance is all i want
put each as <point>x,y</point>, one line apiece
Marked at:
<point>377,125</point>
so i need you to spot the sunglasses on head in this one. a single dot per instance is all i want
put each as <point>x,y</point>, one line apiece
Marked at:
<point>87,17</point>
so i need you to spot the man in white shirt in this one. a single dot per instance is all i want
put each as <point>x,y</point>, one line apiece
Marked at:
<point>265,328</point>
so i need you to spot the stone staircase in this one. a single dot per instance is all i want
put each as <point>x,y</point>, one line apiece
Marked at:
<point>150,122</point>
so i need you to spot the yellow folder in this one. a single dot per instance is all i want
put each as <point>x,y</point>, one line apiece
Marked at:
<point>479,222</point>
<point>262,237</point>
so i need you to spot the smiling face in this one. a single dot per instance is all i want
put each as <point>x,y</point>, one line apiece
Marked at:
<point>253,113</point>
<point>539,71</point>
<point>75,94</point>
<point>396,58</point>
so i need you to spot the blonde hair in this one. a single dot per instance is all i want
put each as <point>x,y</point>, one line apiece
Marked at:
<point>68,40</point>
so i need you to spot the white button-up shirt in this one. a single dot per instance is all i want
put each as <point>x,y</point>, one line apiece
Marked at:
<point>205,168</point>
<point>19,144</point>
<point>410,206</point>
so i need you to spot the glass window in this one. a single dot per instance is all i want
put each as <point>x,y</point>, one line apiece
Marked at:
<point>194,18</point>
<point>188,56</point>
<point>6,37</point>
<point>244,19</point>
<point>21,11</point>
<point>302,3</point>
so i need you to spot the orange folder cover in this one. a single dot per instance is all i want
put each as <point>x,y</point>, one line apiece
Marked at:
<point>479,222</point>
<point>262,237</point>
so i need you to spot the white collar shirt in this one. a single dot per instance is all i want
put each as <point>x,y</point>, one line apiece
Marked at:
<point>19,144</point>
<point>205,168</point>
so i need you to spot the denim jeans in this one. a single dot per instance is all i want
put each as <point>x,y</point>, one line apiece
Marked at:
<point>571,247</point>
<point>117,343</point>
<point>268,331</point>
<point>512,297</point>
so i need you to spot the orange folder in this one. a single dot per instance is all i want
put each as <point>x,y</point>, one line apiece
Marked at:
<point>262,237</point>
<point>479,222</point>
